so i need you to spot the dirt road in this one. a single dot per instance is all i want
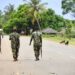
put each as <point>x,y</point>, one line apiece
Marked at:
<point>57,59</point>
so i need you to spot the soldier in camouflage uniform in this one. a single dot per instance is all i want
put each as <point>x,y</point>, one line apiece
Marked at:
<point>37,44</point>
<point>15,43</point>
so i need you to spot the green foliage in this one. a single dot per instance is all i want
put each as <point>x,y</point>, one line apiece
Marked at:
<point>50,19</point>
<point>68,6</point>
<point>68,28</point>
<point>35,8</point>
<point>19,19</point>
<point>26,14</point>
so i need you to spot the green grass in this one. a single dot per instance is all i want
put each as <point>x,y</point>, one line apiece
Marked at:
<point>58,39</point>
<point>72,41</point>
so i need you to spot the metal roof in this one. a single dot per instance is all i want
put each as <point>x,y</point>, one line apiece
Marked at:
<point>49,30</point>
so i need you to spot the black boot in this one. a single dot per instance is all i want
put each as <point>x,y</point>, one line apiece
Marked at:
<point>15,59</point>
<point>37,58</point>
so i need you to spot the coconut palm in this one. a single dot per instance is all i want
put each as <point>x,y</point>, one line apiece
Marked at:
<point>35,8</point>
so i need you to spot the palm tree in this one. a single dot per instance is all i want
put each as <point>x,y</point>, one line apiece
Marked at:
<point>35,8</point>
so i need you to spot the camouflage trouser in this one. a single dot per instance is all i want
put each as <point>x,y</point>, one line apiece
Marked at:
<point>15,53</point>
<point>37,51</point>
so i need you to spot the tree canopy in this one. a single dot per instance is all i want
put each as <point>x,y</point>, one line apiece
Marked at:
<point>25,15</point>
<point>68,6</point>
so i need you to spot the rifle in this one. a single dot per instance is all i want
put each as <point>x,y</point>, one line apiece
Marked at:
<point>41,51</point>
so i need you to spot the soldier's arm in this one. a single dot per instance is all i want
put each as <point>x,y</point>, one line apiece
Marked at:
<point>41,39</point>
<point>31,40</point>
<point>10,37</point>
<point>19,40</point>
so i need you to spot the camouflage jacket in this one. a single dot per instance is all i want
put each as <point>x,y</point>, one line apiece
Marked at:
<point>15,42</point>
<point>37,38</point>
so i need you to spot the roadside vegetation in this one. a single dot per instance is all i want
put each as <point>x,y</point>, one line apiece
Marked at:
<point>58,39</point>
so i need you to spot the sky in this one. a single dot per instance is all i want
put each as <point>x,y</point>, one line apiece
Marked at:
<point>54,4</point>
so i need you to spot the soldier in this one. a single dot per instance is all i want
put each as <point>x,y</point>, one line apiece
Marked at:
<point>37,38</point>
<point>15,43</point>
<point>1,34</point>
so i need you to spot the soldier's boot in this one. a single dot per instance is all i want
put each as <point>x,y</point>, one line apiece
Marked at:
<point>37,58</point>
<point>15,58</point>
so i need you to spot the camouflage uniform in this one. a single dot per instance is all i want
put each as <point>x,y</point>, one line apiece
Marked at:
<point>15,44</point>
<point>37,38</point>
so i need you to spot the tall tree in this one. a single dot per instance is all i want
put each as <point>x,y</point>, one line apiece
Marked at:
<point>35,7</point>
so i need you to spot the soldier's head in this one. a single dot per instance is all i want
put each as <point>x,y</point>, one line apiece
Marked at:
<point>36,28</point>
<point>14,29</point>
